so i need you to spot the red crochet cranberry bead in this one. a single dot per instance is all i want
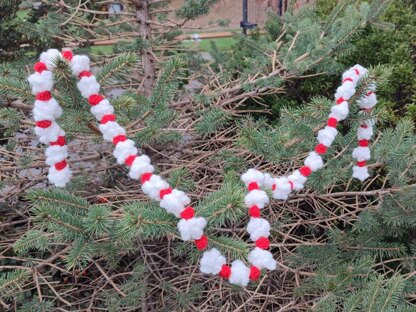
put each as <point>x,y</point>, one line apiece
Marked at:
<point>60,141</point>
<point>254,211</point>
<point>67,55</point>
<point>252,186</point>
<point>305,171</point>
<point>225,271</point>
<point>332,122</point>
<point>320,149</point>
<point>39,67</point>
<point>363,143</point>
<point>274,187</point>
<point>107,118</point>
<point>340,100</point>
<point>129,160</point>
<point>361,163</point>
<point>119,138</point>
<point>291,185</point>
<point>201,243</point>
<point>164,192</point>
<point>254,273</point>
<point>145,177</point>
<point>364,126</point>
<point>44,96</point>
<point>95,99</point>
<point>357,71</point>
<point>44,124</point>
<point>263,243</point>
<point>369,93</point>
<point>84,73</point>
<point>188,213</point>
<point>60,165</point>
<point>347,79</point>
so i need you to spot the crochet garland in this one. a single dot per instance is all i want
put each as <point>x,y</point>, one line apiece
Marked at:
<point>46,110</point>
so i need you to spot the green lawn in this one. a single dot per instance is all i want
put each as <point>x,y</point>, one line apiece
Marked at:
<point>205,44</point>
<point>22,14</point>
<point>103,49</point>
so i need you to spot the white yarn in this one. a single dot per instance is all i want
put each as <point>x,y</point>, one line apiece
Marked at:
<point>80,63</point>
<point>88,86</point>
<point>253,175</point>
<point>361,153</point>
<point>263,259</point>
<point>41,81</point>
<point>240,273</point>
<point>360,173</point>
<point>256,197</point>
<point>46,110</point>
<point>101,109</point>
<point>192,229</point>
<point>212,262</point>
<point>49,58</point>
<point>314,161</point>
<point>258,227</point>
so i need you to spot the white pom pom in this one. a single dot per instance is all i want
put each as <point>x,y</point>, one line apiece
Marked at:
<point>297,179</point>
<point>41,81</point>
<point>268,181</point>
<point>59,177</point>
<point>361,70</point>
<point>123,150</point>
<point>364,133</point>
<point>88,86</point>
<point>212,262</point>
<point>258,227</point>
<point>49,134</point>
<point>175,202</point>
<point>263,259</point>
<point>46,110</point>
<point>153,187</point>
<point>110,130</point>
<point>346,91</point>
<point>140,166</point>
<point>340,111</point>
<point>240,273</point>
<point>368,101</point>
<point>283,188</point>
<point>56,154</point>
<point>101,109</point>
<point>327,135</point>
<point>361,153</point>
<point>80,63</point>
<point>360,173</point>
<point>314,161</point>
<point>253,175</point>
<point>192,229</point>
<point>256,197</point>
<point>49,58</point>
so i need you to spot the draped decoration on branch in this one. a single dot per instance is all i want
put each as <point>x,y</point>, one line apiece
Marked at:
<point>190,226</point>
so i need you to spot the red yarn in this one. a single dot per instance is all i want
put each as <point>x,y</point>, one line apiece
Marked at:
<point>188,213</point>
<point>84,73</point>
<point>67,55</point>
<point>274,187</point>
<point>332,122</point>
<point>39,67</point>
<point>254,273</point>
<point>60,165</point>
<point>129,160</point>
<point>357,71</point>
<point>60,141</point>
<point>291,185</point>
<point>44,124</point>
<point>201,243</point>
<point>263,243</point>
<point>95,99</point>
<point>254,211</point>
<point>119,138</point>
<point>225,271</point>
<point>145,177</point>
<point>369,93</point>
<point>347,79</point>
<point>361,163</point>
<point>305,171</point>
<point>44,96</point>
<point>164,192</point>
<point>363,143</point>
<point>320,149</point>
<point>340,100</point>
<point>364,126</point>
<point>252,186</point>
<point>107,118</point>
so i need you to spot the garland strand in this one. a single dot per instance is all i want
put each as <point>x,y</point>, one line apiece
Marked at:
<point>174,201</point>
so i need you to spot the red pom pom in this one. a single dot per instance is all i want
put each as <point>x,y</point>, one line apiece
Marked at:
<point>107,118</point>
<point>305,171</point>
<point>67,55</point>
<point>274,187</point>
<point>119,138</point>
<point>254,211</point>
<point>164,192</point>
<point>363,143</point>
<point>95,99</point>
<point>347,79</point>
<point>201,243</point>
<point>357,71</point>
<point>129,160</point>
<point>44,124</point>
<point>188,213</point>
<point>44,96</point>
<point>145,177</point>
<point>84,73</point>
<point>320,149</point>
<point>39,67</point>
<point>252,186</point>
<point>225,271</point>
<point>254,273</point>
<point>340,100</point>
<point>361,163</point>
<point>60,141</point>
<point>332,122</point>
<point>263,243</point>
<point>60,165</point>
